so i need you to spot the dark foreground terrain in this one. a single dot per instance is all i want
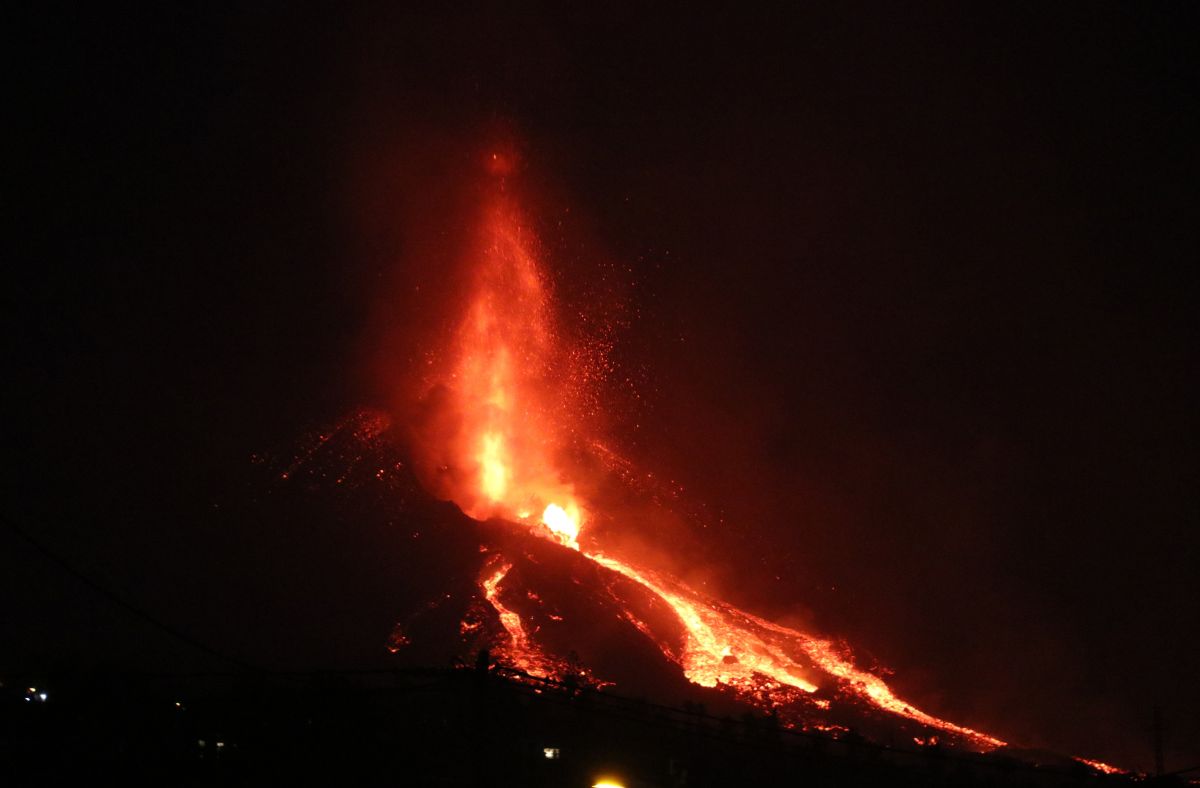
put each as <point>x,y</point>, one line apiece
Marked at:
<point>461,727</point>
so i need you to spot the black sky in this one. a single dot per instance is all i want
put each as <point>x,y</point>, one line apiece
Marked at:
<point>912,293</point>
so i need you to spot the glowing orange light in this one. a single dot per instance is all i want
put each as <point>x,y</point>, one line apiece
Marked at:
<point>513,426</point>
<point>563,523</point>
<point>708,657</point>
<point>519,649</point>
<point>493,469</point>
<point>506,389</point>
<point>1100,766</point>
<point>510,620</point>
<point>760,647</point>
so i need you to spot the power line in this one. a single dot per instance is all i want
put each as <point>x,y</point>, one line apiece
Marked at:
<point>122,602</point>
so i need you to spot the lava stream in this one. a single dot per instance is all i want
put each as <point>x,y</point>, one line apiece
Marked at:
<point>718,632</point>
<point>520,650</point>
<point>715,653</point>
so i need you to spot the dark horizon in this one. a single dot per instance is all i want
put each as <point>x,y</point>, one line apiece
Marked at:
<point>906,300</point>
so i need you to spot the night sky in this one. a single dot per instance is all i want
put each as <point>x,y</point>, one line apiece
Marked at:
<point>907,297</point>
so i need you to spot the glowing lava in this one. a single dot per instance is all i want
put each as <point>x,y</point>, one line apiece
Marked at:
<point>731,647</point>
<point>1100,766</point>
<point>506,390</point>
<point>505,459</point>
<point>563,523</point>
<point>518,650</point>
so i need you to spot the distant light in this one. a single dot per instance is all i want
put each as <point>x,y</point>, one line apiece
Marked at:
<point>42,696</point>
<point>551,753</point>
<point>200,742</point>
<point>220,745</point>
<point>32,690</point>
<point>608,784</point>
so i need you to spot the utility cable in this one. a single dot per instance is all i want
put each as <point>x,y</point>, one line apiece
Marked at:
<point>120,601</point>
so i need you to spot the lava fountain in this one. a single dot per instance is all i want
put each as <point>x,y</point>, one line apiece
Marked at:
<point>505,384</point>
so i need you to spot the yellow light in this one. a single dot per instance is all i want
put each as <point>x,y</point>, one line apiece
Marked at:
<point>494,467</point>
<point>608,784</point>
<point>564,523</point>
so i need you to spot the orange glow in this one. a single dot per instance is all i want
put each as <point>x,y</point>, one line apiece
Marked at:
<point>1100,766</point>
<point>564,523</point>
<point>731,647</point>
<point>514,425</point>
<point>519,650</point>
<point>715,652</point>
<point>493,467</point>
<point>510,620</point>
<point>508,398</point>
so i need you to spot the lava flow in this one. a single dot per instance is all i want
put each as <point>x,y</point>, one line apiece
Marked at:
<point>505,379</point>
<point>520,649</point>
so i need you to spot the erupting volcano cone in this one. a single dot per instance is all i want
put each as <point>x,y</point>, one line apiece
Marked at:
<point>530,582</point>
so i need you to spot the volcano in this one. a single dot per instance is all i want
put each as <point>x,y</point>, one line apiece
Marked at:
<point>541,610</point>
<point>514,556</point>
